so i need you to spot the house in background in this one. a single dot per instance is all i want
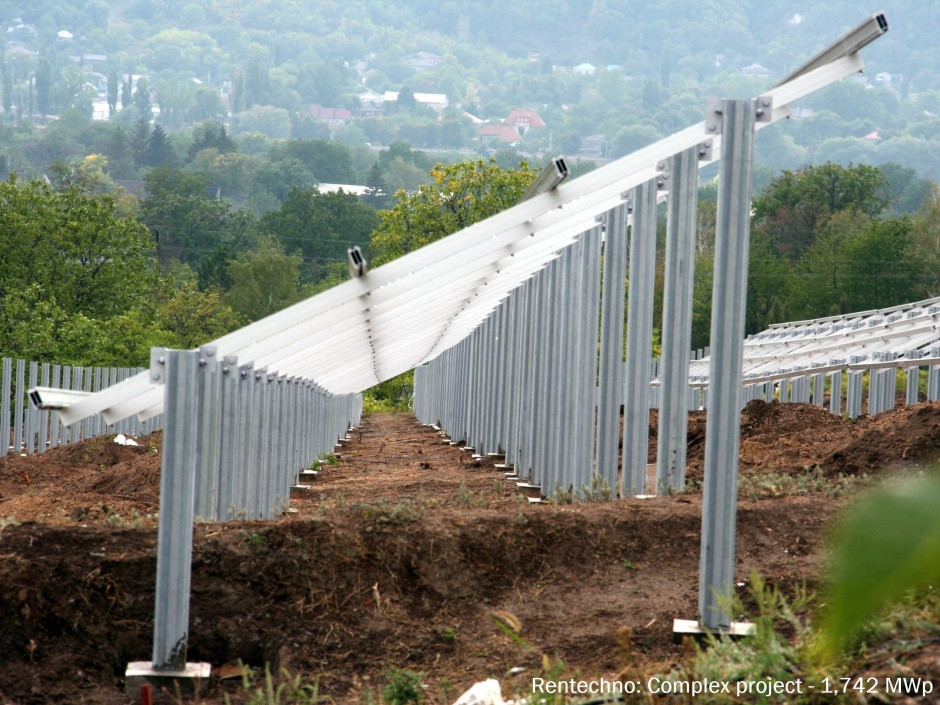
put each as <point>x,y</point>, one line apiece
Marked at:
<point>423,60</point>
<point>524,120</point>
<point>513,128</point>
<point>371,105</point>
<point>757,70</point>
<point>435,101</point>
<point>503,133</point>
<point>331,116</point>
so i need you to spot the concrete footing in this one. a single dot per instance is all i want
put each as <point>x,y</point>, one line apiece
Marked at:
<point>693,628</point>
<point>166,685</point>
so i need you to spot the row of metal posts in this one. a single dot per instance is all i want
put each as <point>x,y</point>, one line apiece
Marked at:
<point>882,386</point>
<point>456,390</point>
<point>558,386</point>
<point>523,383</point>
<point>31,430</point>
<point>234,441</point>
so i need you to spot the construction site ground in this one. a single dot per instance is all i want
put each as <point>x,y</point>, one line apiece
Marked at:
<point>408,553</point>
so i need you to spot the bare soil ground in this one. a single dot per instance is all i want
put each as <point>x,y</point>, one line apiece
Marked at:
<point>398,557</point>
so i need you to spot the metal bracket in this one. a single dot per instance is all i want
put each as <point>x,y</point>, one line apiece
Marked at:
<point>713,112</point>
<point>357,262</point>
<point>705,150</point>
<point>207,355</point>
<point>229,362</point>
<point>158,365</point>
<point>763,108</point>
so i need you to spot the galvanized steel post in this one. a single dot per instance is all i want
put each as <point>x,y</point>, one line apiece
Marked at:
<point>720,492</point>
<point>677,322</point>
<point>611,350</point>
<point>178,371</point>
<point>642,276</point>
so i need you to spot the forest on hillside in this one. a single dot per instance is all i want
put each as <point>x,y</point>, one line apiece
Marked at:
<point>178,142</point>
<point>604,77</point>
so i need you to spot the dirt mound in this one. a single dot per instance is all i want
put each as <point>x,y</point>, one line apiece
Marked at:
<point>760,418</point>
<point>904,435</point>
<point>398,557</point>
<point>92,480</point>
<point>793,438</point>
<point>349,595</point>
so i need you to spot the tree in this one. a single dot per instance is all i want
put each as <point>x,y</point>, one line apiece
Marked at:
<point>459,195</point>
<point>207,105</point>
<point>120,153</point>
<point>257,85</point>
<point>186,225</point>
<point>127,91</point>
<point>195,317</point>
<point>321,225</point>
<point>211,135</point>
<point>141,99</point>
<point>883,273</point>
<point>159,151</point>
<point>792,207</point>
<point>6,87</point>
<point>140,141</point>
<point>377,196</point>
<point>328,162</point>
<point>113,88</point>
<point>925,240</point>
<point>68,255</point>
<point>43,86</point>
<point>266,119</point>
<point>264,280</point>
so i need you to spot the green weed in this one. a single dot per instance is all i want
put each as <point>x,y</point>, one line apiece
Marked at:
<point>402,687</point>
<point>283,690</point>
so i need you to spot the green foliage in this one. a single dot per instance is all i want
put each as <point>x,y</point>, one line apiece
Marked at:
<point>264,281</point>
<point>195,317</point>
<point>328,162</point>
<point>391,395</point>
<point>459,195</point>
<point>283,690</point>
<point>70,270</point>
<point>598,491</point>
<point>187,225</point>
<point>402,687</point>
<point>321,226</point>
<point>789,211</point>
<point>889,543</point>
<point>768,652</point>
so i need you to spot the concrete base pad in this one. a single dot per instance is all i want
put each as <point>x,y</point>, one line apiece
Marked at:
<point>165,683</point>
<point>299,490</point>
<point>693,628</point>
<point>535,500</point>
<point>308,475</point>
<point>503,466</point>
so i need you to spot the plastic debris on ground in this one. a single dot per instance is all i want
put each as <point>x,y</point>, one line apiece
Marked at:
<point>485,692</point>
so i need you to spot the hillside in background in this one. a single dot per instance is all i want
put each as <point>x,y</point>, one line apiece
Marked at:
<point>603,77</point>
